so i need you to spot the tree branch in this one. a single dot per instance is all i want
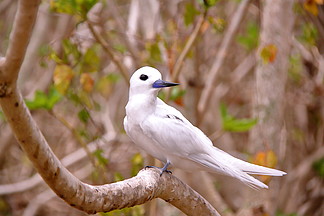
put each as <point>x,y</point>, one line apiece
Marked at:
<point>186,49</point>
<point>67,161</point>
<point>19,39</point>
<point>106,47</point>
<point>212,75</point>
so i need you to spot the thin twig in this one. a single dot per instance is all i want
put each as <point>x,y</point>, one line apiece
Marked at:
<point>179,62</point>
<point>177,66</point>
<point>106,47</point>
<point>67,161</point>
<point>77,137</point>
<point>207,92</point>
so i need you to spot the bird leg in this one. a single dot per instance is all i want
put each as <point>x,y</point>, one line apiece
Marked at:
<point>163,169</point>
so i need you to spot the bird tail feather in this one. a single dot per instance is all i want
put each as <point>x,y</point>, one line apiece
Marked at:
<point>224,163</point>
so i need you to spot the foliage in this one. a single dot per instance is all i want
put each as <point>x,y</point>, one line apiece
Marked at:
<point>218,24</point>
<point>190,13</point>
<point>84,115</point>
<point>79,8</point>
<point>134,211</point>
<point>269,53</point>
<point>232,124</point>
<point>154,52</point>
<point>295,68</point>
<point>99,155</point>
<point>312,6</point>
<point>309,34</point>
<point>318,166</point>
<point>279,213</point>
<point>2,118</point>
<point>265,158</point>
<point>63,75</point>
<point>44,101</point>
<point>250,39</point>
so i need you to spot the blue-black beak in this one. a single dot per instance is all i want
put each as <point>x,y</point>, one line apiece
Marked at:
<point>163,84</point>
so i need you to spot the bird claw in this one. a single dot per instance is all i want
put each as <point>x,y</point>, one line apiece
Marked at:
<point>163,169</point>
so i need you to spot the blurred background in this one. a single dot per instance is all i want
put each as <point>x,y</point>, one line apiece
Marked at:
<point>251,74</point>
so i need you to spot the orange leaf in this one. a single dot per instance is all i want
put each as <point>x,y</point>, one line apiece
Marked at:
<point>267,159</point>
<point>86,82</point>
<point>268,53</point>
<point>311,6</point>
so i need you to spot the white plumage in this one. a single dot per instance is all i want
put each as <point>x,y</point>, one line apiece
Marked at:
<point>163,132</point>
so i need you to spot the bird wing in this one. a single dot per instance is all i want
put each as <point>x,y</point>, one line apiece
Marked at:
<point>168,127</point>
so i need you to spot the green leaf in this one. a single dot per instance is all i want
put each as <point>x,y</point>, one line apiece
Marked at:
<point>118,177</point>
<point>279,213</point>
<point>154,51</point>
<point>84,115</point>
<point>70,49</point>
<point>190,14</point>
<point>210,3</point>
<point>90,61</point>
<point>120,48</point>
<point>44,101</point>
<point>133,211</point>
<point>250,38</point>
<point>318,166</point>
<point>176,93</point>
<point>219,24</point>
<point>80,8</point>
<point>105,84</point>
<point>295,68</point>
<point>230,123</point>
<point>101,159</point>
<point>2,118</point>
<point>309,34</point>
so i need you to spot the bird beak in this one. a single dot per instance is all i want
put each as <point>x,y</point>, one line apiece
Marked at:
<point>163,84</point>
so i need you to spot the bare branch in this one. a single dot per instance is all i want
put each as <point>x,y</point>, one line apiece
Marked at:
<point>212,75</point>
<point>186,49</point>
<point>67,161</point>
<point>19,38</point>
<point>111,55</point>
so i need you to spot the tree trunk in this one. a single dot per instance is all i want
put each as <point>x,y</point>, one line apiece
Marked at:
<point>271,75</point>
<point>276,29</point>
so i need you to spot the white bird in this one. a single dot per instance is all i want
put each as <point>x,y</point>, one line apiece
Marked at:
<point>163,132</point>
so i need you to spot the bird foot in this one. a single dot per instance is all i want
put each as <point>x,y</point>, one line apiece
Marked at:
<point>163,169</point>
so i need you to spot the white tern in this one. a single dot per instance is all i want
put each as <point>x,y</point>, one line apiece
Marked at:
<point>163,132</point>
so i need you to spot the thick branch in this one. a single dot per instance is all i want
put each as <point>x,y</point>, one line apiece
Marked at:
<point>269,98</point>
<point>19,38</point>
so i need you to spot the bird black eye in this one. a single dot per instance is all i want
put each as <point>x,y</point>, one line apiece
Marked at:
<point>143,77</point>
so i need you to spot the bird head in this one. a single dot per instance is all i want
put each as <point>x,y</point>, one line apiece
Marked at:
<point>148,79</point>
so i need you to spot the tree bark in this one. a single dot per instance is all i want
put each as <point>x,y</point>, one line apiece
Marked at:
<point>269,96</point>
<point>276,29</point>
<point>147,185</point>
